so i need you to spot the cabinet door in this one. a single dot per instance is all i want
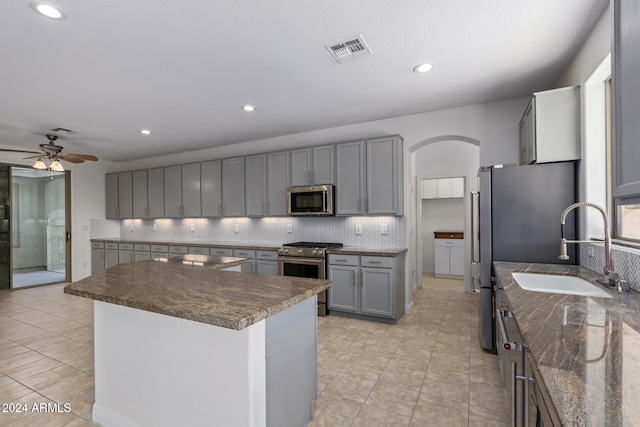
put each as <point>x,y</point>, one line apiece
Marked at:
<point>173,192</point>
<point>441,259</point>
<point>456,260</point>
<point>323,165</point>
<point>377,291</point>
<point>256,185</point>
<point>350,169</point>
<point>125,257</point>
<point>97,260</point>
<point>457,187</point>
<point>301,167</point>
<point>140,194</point>
<point>429,188</point>
<point>155,193</point>
<point>384,176</point>
<point>343,294</point>
<point>277,183</point>
<point>444,188</point>
<point>111,191</point>
<point>233,187</point>
<point>212,188</point>
<point>125,195</point>
<point>267,267</point>
<point>528,135</point>
<point>142,256</point>
<point>111,258</point>
<point>191,190</point>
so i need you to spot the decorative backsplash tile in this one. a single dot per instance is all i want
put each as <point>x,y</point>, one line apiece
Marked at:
<point>105,228</point>
<point>626,262</point>
<point>265,230</point>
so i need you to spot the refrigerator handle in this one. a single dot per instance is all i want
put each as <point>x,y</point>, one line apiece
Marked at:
<point>475,196</point>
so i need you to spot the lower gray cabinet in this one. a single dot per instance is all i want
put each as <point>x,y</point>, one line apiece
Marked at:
<point>377,291</point>
<point>97,257</point>
<point>249,254</point>
<point>343,294</point>
<point>110,258</point>
<point>266,262</point>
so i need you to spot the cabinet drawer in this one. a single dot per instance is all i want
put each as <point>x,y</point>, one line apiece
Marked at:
<point>125,246</point>
<point>159,248</point>
<point>142,248</point>
<point>97,245</point>
<point>111,246</point>
<point>338,259</point>
<point>376,261</point>
<point>273,255</point>
<point>449,242</point>
<point>244,253</point>
<point>221,251</point>
<point>198,250</point>
<point>178,249</point>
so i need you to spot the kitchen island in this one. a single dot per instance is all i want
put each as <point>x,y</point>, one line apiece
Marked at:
<point>184,343</point>
<point>585,350</point>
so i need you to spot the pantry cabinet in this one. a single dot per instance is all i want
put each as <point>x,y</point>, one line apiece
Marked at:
<point>443,188</point>
<point>449,255</point>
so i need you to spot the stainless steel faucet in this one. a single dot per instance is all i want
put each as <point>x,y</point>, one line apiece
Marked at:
<point>610,277</point>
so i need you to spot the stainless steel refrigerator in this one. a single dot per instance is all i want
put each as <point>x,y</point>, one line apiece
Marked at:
<point>517,214</point>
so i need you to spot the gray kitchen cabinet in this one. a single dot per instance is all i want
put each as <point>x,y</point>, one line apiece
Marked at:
<point>97,257</point>
<point>550,127</point>
<point>256,185</point>
<point>233,200</point>
<point>221,251</point>
<point>191,190</point>
<point>125,253</point>
<point>111,256</point>
<point>377,291</point>
<point>350,178</point>
<point>312,166</point>
<point>119,195</point>
<point>148,193</point>
<point>140,194</point>
<point>173,191</point>
<point>343,294</point>
<point>211,186</point>
<point>141,252</point>
<point>250,255</point>
<point>200,250</point>
<point>277,183</point>
<point>159,251</point>
<point>266,262</point>
<point>385,180</point>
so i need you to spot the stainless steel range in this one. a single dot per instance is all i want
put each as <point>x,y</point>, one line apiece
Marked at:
<point>306,259</point>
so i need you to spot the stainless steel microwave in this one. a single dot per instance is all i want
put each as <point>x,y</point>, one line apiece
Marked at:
<point>310,200</point>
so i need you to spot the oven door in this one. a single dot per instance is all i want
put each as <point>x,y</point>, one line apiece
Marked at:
<point>312,268</point>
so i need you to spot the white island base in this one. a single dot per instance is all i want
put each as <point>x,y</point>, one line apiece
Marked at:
<point>157,370</point>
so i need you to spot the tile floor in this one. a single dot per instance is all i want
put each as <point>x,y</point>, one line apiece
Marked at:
<point>426,371</point>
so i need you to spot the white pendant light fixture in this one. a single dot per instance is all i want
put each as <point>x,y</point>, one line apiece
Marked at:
<point>39,164</point>
<point>56,166</point>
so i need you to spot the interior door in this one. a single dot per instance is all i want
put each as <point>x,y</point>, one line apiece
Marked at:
<point>39,227</point>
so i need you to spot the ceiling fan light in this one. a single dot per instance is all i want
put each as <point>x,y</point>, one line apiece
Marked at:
<point>56,166</point>
<point>39,164</point>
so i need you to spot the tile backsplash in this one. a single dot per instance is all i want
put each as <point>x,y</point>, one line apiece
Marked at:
<point>626,261</point>
<point>276,231</point>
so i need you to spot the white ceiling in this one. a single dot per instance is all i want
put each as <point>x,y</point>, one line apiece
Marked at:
<point>184,68</point>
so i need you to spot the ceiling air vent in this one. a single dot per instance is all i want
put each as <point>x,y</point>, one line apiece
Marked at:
<point>349,49</point>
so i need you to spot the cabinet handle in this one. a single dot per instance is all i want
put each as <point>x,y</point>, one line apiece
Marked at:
<point>315,177</point>
<point>269,208</point>
<point>374,262</point>
<point>220,209</point>
<point>341,260</point>
<point>264,208</point>
<point>266,256</point>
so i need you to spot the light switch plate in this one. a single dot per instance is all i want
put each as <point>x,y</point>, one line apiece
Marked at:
<point>192,227</point>
<point>358,229</point>
<point>155,227</point>
<point>289,228</point>
<point>236,228</point>
<point>384,228</point>
<point>133,227</point>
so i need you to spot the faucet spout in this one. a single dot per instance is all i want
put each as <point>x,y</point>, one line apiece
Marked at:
<point>609,276</point>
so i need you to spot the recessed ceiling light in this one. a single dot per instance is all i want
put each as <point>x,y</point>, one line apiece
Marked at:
<point>145,132</point>
<point>48,10</point>
<point>422,68</point>
<point>248,108</point>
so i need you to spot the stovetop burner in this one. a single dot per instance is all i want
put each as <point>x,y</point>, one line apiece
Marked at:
<point>324,245</point>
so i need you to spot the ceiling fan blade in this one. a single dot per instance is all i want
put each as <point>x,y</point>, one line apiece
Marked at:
<point>19,151</point>
<point>66,156</point>
<point>34,157</point>
<point>70,159</point>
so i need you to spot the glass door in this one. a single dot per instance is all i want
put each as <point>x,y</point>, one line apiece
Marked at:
<point>39,224</point>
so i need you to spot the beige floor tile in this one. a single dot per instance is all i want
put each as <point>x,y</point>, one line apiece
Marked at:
<point>482,417</point>
<point>458,391</point>
<point>366,366</point>
<point>417,362</point>
<point>46,419</point>
<point>350,387</point>
<point>488,396</point>
<point>52,376</point>
<point>402,377</point>
<point>22,407</point>
<point>71,386</point>
<point>33,368</point>
<point>18,359</point>
<point>440,411</point>
<point>333,360</point>
<point>391,398</point>
<point>325,376</point>
<point>370,416</point>
<point>335,411</point>
<point>13,391</point>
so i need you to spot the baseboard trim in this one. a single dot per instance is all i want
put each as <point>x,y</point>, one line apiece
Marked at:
<point>108,418</point>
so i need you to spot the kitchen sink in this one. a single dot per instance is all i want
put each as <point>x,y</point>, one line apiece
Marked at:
<point>557,284</point>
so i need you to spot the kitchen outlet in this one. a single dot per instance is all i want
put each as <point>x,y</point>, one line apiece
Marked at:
<point>289,228</point>
<point>236,228</point>
<point>192,227</point>
<point>384,228</point>
<point>358,229</point>
<point>269,345</point>
<point>155,227</point>
<point>591,251</point>
<point>133,227</point>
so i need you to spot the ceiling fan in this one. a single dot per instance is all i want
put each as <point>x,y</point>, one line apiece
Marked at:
<point>54,154</point>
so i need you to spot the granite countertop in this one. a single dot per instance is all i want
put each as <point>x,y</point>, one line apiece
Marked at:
<point>203,294</point>
<point>586,349</point>
<point>207,261</point>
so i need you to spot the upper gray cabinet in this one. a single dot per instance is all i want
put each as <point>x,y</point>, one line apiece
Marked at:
<point>173,191</point>
<point>148,193</point>
<point>311,166</point>
<point>119,195</point>
<point>211,182</point>
<point>256,185</point>
<point>385,183</point>
<point>140,194</point>
<point>233,187</point>
<point>191,190</point>
<point>350,178</point>
<point>626,97</point>
<point>277,183</point>
<point>550,127</point>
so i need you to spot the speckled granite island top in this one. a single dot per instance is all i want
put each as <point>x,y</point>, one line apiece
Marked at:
<point>228,299</point>
<point>587,349</point>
